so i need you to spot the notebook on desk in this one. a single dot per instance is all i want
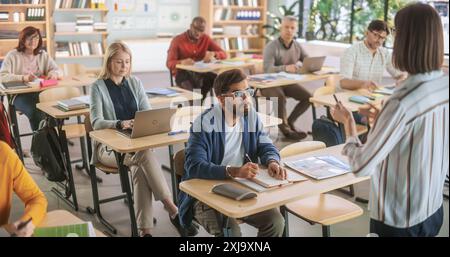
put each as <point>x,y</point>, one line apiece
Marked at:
<point>71,104</point>
<point>14,85</point>
<point>76,230</point>
<point>320,167</point>
<point>263,181</point>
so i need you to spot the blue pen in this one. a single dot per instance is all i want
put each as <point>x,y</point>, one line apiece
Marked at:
<point>173,133</point>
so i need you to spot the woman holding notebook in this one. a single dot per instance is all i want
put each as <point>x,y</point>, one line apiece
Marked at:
<point>115,98</point>
<point>26,63</point>
<point>406,153</point>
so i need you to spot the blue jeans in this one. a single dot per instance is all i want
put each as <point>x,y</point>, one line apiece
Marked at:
<point>26,103</point>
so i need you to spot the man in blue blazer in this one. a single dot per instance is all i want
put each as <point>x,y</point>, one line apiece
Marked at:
<point>228,141</point>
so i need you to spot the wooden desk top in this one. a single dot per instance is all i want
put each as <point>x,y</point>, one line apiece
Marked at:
<point>329,101</point>
<point>286,82</point>
<point>214,67</point>
<point>201,190</point>
<point>72,81</point>
<point>156,102</point>
<point>63,217</point>
<point>183,119</point>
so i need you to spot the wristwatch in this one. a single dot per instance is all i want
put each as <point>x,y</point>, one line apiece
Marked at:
<point>119,124</point>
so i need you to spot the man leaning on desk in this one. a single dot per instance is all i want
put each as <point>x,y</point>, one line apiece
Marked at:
<point>190,47</point>
<point>219,141</point>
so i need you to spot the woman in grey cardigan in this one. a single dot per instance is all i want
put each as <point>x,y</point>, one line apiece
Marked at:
<point>25,63</point>
<point>115,98</point>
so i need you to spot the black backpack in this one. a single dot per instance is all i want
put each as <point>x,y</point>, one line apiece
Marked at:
<point>327,131</point>
<point>47,152</point>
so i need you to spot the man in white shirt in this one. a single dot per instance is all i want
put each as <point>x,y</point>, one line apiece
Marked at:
<point>364,63</point>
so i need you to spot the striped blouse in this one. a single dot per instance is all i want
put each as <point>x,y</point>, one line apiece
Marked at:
<point>406,153</point>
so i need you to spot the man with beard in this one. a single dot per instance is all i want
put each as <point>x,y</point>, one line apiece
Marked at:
<point>224,143</point>
<point>190,47</point>
<point>364,63</point>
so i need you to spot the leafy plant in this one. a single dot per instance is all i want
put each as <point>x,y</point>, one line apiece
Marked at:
<point>273,29</point>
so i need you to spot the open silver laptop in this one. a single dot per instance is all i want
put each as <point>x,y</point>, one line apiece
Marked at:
<point>312,64</point>
<point>151,122</point>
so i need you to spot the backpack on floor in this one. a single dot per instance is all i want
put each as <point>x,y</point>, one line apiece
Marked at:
<point>47,152</point>
<point>327,131</point>
<point>5,127</point>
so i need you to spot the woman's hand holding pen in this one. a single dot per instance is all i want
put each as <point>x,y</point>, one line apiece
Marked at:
<point>21,228</point>
<point>29,78</point>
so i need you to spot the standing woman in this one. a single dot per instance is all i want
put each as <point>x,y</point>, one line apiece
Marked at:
<point>115,99</point>
<point>406,153</point>
<point>26,63</point>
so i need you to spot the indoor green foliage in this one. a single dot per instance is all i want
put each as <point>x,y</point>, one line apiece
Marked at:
<point>273,30</point>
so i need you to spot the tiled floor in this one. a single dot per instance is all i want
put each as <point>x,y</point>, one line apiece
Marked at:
<point>117,212</point>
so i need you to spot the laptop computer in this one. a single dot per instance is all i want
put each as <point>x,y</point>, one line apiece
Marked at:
<point>312,64</point>
<point>150,122</point>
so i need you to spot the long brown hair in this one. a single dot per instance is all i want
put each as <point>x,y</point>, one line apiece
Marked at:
<point>419,39</point>
<point>24,34</point>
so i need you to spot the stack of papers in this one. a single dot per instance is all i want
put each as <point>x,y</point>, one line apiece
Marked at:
<point>321,167</point>
<point>77,230</point>
<point>270,77</point>
<point>385,90</point>
<point>71,105</point>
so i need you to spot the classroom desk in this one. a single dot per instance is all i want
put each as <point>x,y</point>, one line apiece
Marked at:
<point>344,97</point>
<point>202,191</point>
<point>122,145</point>
<point>11,94</point>
<point>215,67</point>
<point>62,218</point>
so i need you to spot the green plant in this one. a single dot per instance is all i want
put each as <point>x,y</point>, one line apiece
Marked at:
<point>273,29</point>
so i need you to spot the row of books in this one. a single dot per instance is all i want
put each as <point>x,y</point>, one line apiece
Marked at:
<point>22,1</point>
<point>242,3</point>
<point>35,14</point>
<point>84,48</point>
<point>238,43</point>
<point>94,4</point>
<point>73,27</point>
<point>229,14</point>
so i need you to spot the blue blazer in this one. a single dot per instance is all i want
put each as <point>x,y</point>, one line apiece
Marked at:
<point>205,151</point>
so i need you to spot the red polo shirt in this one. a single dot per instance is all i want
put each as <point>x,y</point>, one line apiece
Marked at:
<point>182,48</point>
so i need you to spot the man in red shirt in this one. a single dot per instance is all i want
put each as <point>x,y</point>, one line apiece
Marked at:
<point>190,47</point>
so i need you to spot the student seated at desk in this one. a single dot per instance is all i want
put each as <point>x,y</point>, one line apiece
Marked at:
<point>15,178</point>
<point>115,99</point>
<point>406,153</point>
<point>219,141</point>
<point>190,47</point>
<point>25,63</point>
<point>282,55</point>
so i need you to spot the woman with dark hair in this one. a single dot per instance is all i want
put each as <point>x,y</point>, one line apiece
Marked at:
<point>26,63</point>
<point>406,153</point>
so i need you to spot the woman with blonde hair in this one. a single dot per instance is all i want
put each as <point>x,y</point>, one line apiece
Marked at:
<point>115,98</point>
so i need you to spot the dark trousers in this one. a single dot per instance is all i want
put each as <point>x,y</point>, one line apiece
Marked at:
<point>26,103</point>
<point>191,80</point>
<point>297,92</point>
<point>429,228</point>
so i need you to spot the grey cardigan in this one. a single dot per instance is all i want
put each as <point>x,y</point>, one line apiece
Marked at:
<point>103,115</point>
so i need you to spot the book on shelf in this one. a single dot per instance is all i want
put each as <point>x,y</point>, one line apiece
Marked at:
<point>238,43</point>
<point>240,3</point>
<point>75,4</point>
<point>4,16</point>
<point>22,1</point>
<point>319,167</point>
<point>35,14</point>
<point>225,14</point>
<point>84,48</point>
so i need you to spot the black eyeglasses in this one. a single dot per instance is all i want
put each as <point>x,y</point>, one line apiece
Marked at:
<point>241,93</point>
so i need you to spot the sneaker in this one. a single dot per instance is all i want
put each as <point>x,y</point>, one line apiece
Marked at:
<point>189,232</point>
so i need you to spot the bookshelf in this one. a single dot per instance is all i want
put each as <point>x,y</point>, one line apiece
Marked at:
<point>15,15</point>
<point>79,28</point>
<point>236,25</point>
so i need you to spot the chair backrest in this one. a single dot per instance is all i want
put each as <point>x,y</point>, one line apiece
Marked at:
<point>59,93</point>
<point>87,124</point>
<point>179,163</point>
<point>72,69</point>
<point>301,147</point>
<point>326,90</point>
